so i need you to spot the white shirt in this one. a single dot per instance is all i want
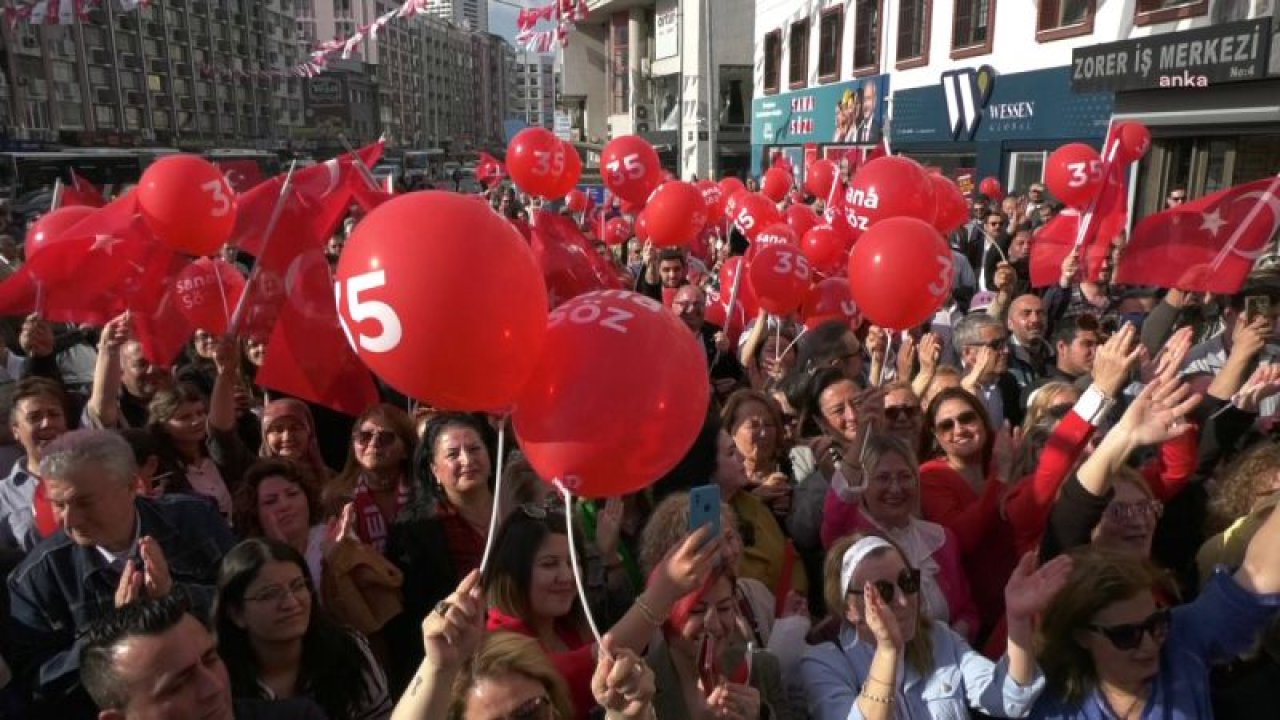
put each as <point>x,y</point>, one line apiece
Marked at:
<point>206,480</point>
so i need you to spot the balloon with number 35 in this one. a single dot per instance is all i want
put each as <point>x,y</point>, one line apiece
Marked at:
<point>186,201</point>
<point>443,299</point>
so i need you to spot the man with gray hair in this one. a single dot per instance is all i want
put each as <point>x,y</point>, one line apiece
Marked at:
<point>983,345</point>
<point>111,547</point>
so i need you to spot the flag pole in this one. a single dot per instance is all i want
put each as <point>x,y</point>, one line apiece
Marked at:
<point>365,172</point>
<point>276,212</point>
<point>55,201</point>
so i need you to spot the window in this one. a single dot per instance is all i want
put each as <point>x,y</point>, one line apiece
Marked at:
<point>798,60</point>
<point>913,33</point>
<point>830,33</point>
<point>98,76</point>
<point>971,29</point>
<point>1025,169</point>
<point>104,116</point>
<point>772,60</point>
<point>866,36</point>
<point>1149,12</point>
<point>1060,19</point>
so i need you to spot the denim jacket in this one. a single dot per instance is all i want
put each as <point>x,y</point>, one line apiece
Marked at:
<point>61,588</point>
<point>833,674</point>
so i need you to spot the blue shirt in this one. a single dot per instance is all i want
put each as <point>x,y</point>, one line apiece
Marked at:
<point>17,508</point>
<point>962,678</point>
<point>1223,622</point>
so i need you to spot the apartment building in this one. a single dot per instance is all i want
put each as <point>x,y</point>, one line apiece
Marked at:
<point>537,82</point>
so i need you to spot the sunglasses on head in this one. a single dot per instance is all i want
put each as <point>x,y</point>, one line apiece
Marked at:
<point>968,417</point>
<point>1129,635</point>
<point>908,582</point>
<point>380,438</point>
<point>901,412</point>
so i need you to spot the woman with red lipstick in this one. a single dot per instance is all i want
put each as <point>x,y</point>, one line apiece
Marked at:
<point>277,644</point>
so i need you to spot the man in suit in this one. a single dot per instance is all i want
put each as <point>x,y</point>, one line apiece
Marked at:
<point>868,130</point>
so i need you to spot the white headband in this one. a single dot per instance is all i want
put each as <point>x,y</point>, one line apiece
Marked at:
<point>854,556</point>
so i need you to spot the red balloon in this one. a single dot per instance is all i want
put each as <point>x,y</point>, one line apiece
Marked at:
<point>630,168</point>
<point>780,276</point>
<point>887,187</point>
<point>50,226</point>
<point>714,198</point>
<point>728,271</point>
<point>616,231</point>
<point>991,188</point>
<point>600,438</point>
<point>187,203</point>
<point>732,203</point>
<point>824,247</point>
<point>801,218</point>
<point>676,213</point>
<point>952,210</point>
<point>537,162</point>
<point>576,201</point>
<point>1074,174</point>
<point>443,299</point>
<point>566,269</point>
<point>900,272</point>
<point>730,186</point>
<point>753,212</point>
<point>1135,141</point>
<point>572,171</point>
<point>717,313</point>
<point>776,183</point>
<point>775,234</point>
<point>830,300</point>
<point>641,229</point>
<point>207,291</point>
<point>819,178</point>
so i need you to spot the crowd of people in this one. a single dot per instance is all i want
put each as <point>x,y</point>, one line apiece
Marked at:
<point>1053,503</point>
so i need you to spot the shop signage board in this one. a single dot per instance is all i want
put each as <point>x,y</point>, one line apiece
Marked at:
<point>1223,53</point>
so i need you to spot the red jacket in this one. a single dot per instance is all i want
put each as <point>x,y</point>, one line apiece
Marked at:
<point>576,666</point>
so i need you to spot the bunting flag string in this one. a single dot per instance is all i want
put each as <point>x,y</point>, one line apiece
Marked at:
<point>564,14</point>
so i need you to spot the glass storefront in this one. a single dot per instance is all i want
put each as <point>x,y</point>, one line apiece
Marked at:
<point>1204,164</point>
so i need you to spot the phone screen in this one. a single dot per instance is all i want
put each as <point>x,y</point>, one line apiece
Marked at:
<point>704,508</point>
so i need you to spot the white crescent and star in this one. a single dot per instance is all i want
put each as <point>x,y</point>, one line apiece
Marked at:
<point>1273,204</point>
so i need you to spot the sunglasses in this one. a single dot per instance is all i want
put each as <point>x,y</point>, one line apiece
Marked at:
<point>908,583</point>
<point>998,344</point>
<point>380,438</point>
<point>1129,636</point>
<point>1143,509</point>
<point>1057,412</point>
<point>901,412</point>
<point>539,708</point>
<point>968,417</point>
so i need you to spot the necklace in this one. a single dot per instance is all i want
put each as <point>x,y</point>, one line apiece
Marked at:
<point>1137,698</point>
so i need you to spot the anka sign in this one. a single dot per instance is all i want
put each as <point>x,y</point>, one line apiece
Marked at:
<point>1228,52</point>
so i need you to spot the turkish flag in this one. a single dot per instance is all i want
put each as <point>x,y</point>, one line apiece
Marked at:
<point>1207,245</point>
<point>308,319</point>
<point>324,190</point>
<point>158,323</point>
<point>366,196</point>
<point>489,170</point>
<point>242,174</point>
<point>265,289</point>
<point>570,265</point>
<point>1054,241</point>
<point>81,192</point>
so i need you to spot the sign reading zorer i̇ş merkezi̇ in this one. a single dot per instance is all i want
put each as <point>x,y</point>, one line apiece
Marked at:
<point>1229,52</point>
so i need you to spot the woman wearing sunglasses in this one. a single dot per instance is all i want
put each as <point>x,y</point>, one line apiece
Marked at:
<point>277,643</point>
<point>376,477</point>
<point>531,591</point>
<point>891,660</point>
<point>1113,648</point>
<point>471,674</point>
<point>887,502</point>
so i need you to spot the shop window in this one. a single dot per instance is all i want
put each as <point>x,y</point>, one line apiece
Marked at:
<point>972,31</point>
<point>798,60</point>
<point>913,33</point>
<point>830,32</point>
<point>1149,12</point>
<point>1025,169</point>
<point>772,60</point>
<point>866,37</point>
<point>1060,19</point>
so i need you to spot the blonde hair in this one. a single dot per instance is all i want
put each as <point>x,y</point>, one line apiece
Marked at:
<point>1248,479</point>
<point>836,597</point>
<point>1042,400</point>
<point>935,387</point>
<point>504,653</point>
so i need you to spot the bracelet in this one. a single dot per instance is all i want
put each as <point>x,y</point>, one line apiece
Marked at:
<point>879,682</point>
<point>650,616</point>
<point>881,699</point>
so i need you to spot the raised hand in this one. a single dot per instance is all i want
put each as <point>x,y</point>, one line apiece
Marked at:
<point>115,333</point>
<point>1070,266</point>
<point>981,366</point>
<point>1248,338</point>
<point>906,357</point>
<point>687,566</point>
<point>1168,362</point>
<point>1264,383</point>
<point>1005,452</point>
<point>453,630</point>
<point>880,619</point>
<point>609,527</point>
<point>226,355</point>
<point>1158,413</point>
<point>929,353</point>
<point>156,582</point>
<point>36,337</point>
<point>1029,590</point>
<point>1115,360</point>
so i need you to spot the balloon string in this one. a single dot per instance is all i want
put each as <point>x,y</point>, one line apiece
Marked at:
<point>222,291</point>
<point>39,299</point>
<point>792,344</point>
<point>573,558</point>
<point>496,514</point>
<point>777,341</point>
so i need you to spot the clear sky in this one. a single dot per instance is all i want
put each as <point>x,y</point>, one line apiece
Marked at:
<point>502,16</point>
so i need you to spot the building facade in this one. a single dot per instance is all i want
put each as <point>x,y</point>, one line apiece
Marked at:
<point>494,79</point>
<point>985,88</point>
<point>676,73</point>
<point>470,14</point>
<point>449,66</point>
<point>537,82</point>
<point>187,74</point>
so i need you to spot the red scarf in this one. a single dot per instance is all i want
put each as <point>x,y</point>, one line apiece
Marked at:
<point>371,526</point>
<point>42,510</point>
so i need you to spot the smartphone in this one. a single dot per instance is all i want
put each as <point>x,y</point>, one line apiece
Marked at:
<point>1256,306</point>
<point>704,509</point>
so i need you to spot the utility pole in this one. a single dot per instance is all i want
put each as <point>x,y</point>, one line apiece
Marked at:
<point>713,119</point>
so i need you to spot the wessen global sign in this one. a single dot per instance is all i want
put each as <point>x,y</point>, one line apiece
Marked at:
<point>1228,52</point>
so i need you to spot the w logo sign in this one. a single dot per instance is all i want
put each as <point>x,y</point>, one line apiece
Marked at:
<point>967,93</point>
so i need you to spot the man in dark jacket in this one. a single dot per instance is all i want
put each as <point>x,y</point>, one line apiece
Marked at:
<point>112,547</point>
